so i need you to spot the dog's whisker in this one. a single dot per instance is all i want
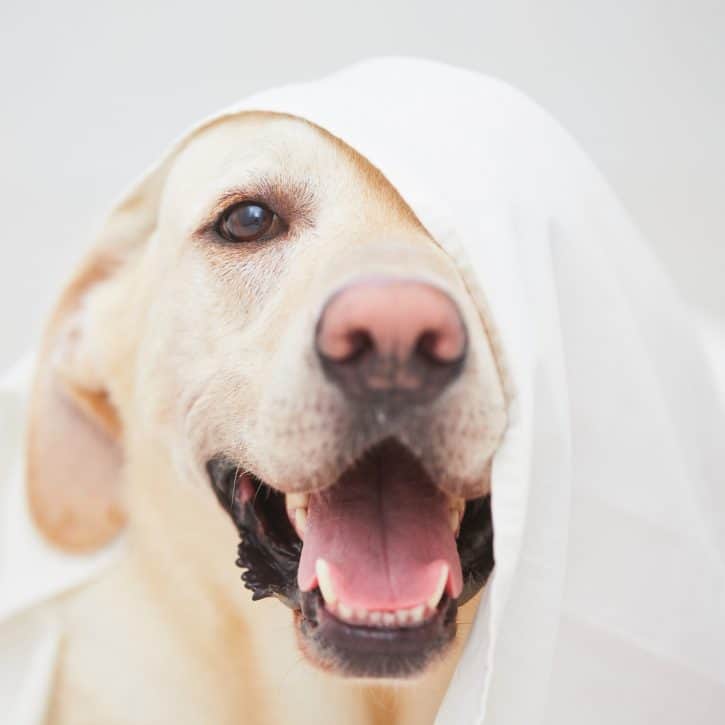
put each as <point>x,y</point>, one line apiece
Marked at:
<point>256,494</point>
<point>234,486</point>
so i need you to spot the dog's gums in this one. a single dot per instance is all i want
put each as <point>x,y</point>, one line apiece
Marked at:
<point>335,629</point>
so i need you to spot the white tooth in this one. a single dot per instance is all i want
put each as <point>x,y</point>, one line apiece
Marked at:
<point>324,581</point>
<point>301,521</point>
<point>401,616</point>
<point>416,614</point>
<point>361,614</point>
<point>344,611</point>
<point>456,507</point>
<point>375,618</point>
<point>388,619</point>
<point>297,501</point>
<point>453,520</point>
<point>434,598</point>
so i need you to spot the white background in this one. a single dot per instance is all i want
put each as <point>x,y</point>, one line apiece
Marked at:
<point>92,91</point>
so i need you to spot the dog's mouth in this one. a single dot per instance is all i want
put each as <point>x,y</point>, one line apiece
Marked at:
<point>375,566</point>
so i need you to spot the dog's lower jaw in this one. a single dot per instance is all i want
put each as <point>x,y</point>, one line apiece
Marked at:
<point>373,653</point>
<point>269,552</point>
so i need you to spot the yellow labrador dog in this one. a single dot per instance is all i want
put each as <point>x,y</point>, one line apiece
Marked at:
<point>287,371</point>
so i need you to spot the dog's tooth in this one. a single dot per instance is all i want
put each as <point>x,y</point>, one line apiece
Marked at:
<point>324,581</point>
<point>297,501</point>
<point>435,597</point>
<point>401,616</point>
<point>389,619</point>
<point>456,502</point>
<point>453,520</point>
<point>301,521</point>
<point>456,507</point>
<point>416,614</point>
<point>361,614</point>
<point>375,618</point>
<point>344,611</point>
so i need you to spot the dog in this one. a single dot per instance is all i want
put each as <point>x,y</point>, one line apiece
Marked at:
<point>288,371</point>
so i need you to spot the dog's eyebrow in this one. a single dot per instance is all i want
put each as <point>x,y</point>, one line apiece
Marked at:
<point>294,200</point>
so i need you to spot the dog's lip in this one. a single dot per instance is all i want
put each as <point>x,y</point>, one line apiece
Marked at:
<point>323,612</point>
<point>363,651</point>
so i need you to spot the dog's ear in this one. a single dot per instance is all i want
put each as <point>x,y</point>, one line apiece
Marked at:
<point>74,443</point>
<point>74,437</point>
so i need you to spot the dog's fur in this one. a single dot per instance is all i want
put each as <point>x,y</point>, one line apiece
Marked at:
<point>173,347</point>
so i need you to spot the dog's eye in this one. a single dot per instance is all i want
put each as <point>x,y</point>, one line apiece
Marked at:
<point>247,222</point>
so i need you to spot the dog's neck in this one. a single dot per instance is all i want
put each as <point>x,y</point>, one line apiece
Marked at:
<point>181,551</point>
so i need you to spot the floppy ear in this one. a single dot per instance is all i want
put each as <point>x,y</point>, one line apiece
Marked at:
<point>74,450</point>
<point>74,444</point>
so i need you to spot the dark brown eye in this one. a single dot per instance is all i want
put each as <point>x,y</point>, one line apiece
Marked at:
<point>247,222</point>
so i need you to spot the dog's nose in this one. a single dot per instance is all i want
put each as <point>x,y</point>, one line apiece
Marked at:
<point>391,339</point>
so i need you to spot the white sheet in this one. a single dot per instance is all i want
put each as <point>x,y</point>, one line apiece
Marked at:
<point>608,599</point>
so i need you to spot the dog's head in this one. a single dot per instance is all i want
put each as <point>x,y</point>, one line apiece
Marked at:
<point>287,332</point>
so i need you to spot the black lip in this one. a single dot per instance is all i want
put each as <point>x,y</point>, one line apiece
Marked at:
<point>374,652</point>
<point>269,549</point>
<point>269,552</point>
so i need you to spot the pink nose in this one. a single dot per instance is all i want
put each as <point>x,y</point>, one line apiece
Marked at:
<point>391,336</point>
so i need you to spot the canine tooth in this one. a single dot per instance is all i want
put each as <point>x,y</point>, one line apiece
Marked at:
<point>324,581</point>
<point>297,500</point>
<point>453,520</point>
<point>416,614</point>
<point>375,618</point>
<point>434,598</point>
<point>301,521</point>
<point>344,611</point>
<point>401,615</point>
<point>456,507</point>
<point>456,502</point>
<point>388,619</point>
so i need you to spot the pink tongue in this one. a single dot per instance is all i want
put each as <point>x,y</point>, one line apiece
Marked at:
<point>383,530</point>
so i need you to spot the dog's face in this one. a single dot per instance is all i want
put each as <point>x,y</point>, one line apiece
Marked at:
<point>311,354</point>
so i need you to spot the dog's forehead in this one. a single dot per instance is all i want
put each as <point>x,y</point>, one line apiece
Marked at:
<point>251,145</point>
<point>240,151</point>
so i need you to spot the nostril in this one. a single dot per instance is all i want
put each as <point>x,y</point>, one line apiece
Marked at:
<point>427,348</point>
<point>442,346</point>
<point>343,344</point>
<point>359,343</point>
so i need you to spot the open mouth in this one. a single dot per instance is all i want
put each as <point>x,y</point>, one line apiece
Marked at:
<point>375,566</point>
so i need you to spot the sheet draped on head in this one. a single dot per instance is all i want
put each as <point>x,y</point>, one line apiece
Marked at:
<point>607,603</point>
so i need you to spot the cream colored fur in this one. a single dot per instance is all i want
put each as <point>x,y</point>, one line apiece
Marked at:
<point>168,348</point>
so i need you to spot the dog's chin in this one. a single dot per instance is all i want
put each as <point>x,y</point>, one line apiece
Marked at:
<point>351,618</point>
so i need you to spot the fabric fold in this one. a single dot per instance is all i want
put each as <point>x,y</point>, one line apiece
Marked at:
<point>606,603</point>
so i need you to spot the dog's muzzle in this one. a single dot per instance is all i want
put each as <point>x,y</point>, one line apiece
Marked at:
<point>376,564</point>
